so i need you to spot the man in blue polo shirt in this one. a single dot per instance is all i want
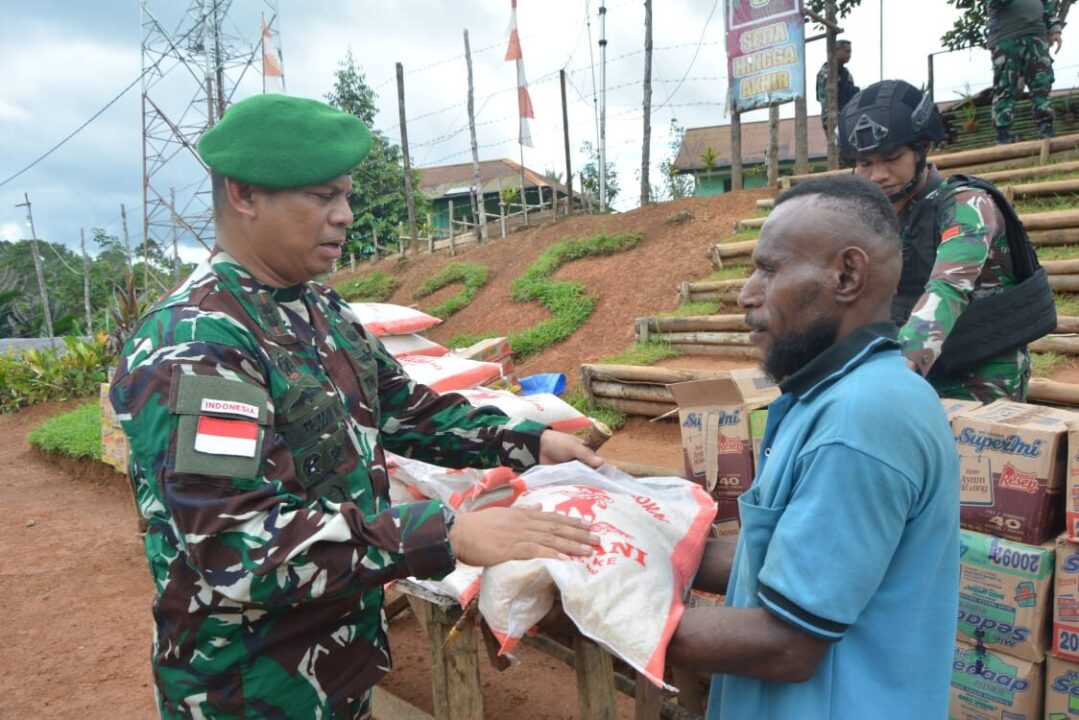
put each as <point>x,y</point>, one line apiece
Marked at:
<point>842,589</point>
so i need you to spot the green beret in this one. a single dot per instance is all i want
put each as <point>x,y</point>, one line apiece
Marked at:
<point>279,141</point>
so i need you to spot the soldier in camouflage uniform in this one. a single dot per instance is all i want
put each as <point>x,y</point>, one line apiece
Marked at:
<point>259,410</point>
<point>845,87</point>
<point>1018,35</point>
<point>955,244</point>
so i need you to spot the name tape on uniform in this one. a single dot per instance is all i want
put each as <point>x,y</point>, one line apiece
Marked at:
<point>229,407</point>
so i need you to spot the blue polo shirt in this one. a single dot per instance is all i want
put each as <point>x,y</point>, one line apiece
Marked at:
<point>850,532</point>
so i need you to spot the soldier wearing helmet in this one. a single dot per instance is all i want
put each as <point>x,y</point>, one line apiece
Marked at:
<point>971,294</point>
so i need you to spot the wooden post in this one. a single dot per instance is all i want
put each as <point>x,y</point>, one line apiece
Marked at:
<point>833,84</point>
<point>524,199</point>
<point>85,281</point>
<point>352,262</point>
<point>477,182</point>
<point>501,209</point>
<point>374,240</point>
<point>595,680</point>
<point>773,144</point>
<point>455,669</point>
<point>453,251</point>
<point>648,699</point>
<point>409,196</point>
<point>736,150</point>
<point>431,231</point>
<point>646,145</point>
<point>37,267</point>
<point>565,134</point>
<point>801,126</point>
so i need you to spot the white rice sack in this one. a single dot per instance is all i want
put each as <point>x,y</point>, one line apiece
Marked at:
<point>628,596</point>
<point>448,373</point>
<point>386,319</point>
<point>463,489</point>
<point>541,407</point>
<point>412,344</point>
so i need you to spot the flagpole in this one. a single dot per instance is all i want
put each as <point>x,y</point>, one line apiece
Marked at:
<point>262,50</point>
<point>524,201</point>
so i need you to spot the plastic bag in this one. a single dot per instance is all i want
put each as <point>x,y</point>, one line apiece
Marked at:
<point>386,319</point>
<point>412,344</point>
<point>553,383</point>
<point>544,407</point>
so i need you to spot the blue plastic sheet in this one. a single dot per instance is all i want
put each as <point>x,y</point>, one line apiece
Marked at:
<point>554,383</point>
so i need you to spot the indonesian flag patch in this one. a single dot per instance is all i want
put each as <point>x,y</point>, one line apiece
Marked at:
<point>221,436</point>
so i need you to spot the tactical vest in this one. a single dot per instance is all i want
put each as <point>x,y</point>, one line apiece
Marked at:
<point>988,326</point>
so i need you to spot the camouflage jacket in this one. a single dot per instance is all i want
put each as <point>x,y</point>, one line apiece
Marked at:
<point>973,260</point>
<point>257,419</point>
<point>1009,19</point>
<point>846,89</point>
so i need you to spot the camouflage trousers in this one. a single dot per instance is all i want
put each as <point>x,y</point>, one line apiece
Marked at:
<point>1004,377</point>
<point>1019,60</point>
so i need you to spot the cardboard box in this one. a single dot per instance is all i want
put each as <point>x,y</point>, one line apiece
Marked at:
<point>1012,464</point>
<point>758,421</point>
<point>716,438</point>
<point>1071,492</point>
<point>1066,601</point>
<point>953,407</point>
<point>1005,594</point>
<point>987,685</point>
<point>114,447</point>
<point>1061,689</point>
<point>493,350</point>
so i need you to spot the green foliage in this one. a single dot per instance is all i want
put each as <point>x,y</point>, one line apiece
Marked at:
<point>742,236</point>
<point>75,434</point>
<point>473,277</point>
<point>566,300</point>
<point>468,339</point>
<point>843,8</point>
<point>969,28</point>
<point>709,158</point>
<point>372,287</point>
<point>1066,304</point>
<point>1058,252</point>
<point>643,354</point>
<point>379,204</point>
<point>590,175</point>
<point>676,186</point>
<point>35,376</point>
<point>608,416</point>
<point>1044,364</point>
<point>734,272</point>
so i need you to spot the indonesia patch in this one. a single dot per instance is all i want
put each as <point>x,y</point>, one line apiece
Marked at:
<point>950,233</point>
<point>229,407</point>
<point>220,436</point>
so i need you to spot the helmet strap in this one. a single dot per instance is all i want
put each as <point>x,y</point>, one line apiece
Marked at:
<point>919,167</point>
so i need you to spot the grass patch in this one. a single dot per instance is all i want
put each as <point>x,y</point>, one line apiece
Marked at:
<point>643,354</point>
<point>1045,204</point>
<point>373,287</point>
<point>75,434</point>
<point>473,277</point>
<point>1057,252</point>
<point>608,416</point>
<point>742,236</point>
<point>566,300</point>
<point>1044,364</point>
<point>1066,304</point>
<point>704,307</point>
<point>736,272</point>
<point>468,339</point>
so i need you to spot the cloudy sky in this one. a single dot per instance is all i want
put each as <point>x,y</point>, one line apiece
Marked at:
<point>66,61</point>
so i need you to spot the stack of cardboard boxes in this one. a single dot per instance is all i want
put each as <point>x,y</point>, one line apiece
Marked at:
<point>1017,645</point>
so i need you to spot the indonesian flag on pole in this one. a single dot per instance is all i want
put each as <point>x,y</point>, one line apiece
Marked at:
<point>273,73</point>
<point>225,436</point>
<point>524,101</point>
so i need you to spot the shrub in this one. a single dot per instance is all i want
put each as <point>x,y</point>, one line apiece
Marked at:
<point>35,376</point>
<point>566,300</point>
<point>471,275</point>
<point>76,434</point>
<point>373,287</point>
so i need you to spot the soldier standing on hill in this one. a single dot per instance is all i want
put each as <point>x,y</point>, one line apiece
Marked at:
<point>258,408</point>
<point>846,89</point>
<point>1018,34</point>
<point>971,295</point>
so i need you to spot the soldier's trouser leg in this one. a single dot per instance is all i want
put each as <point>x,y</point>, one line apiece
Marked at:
<point>1038,70</point>
<point>1007,67</point>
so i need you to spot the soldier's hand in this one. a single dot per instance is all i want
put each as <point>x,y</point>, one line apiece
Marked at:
<point>1055,40</point>
<point>558,447</point>
<point>487,537</point>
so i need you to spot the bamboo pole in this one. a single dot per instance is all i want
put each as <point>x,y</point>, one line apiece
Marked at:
<point>1028,173</point>
<point>749,224</point>
<point>738,249</point>
<point>690,323</point>
<point>766,203</point>
<point>715,285</point>
<point>704,338</point>
<point>1061,267</point>
<point>1057,344</point>
<point>1052,187</point>
<point>1067,324</point>
<point>1051,391</point>
<point>735,352</point>
<point>623,391</point>
<point>728,297</point>
<point>635,407</point>
<point>1045,238</point>
<point>1064,283</point>
<point>591,372</point>
<point>1052,220</point>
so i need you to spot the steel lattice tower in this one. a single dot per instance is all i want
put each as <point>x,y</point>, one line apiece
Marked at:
<point>193,66</point>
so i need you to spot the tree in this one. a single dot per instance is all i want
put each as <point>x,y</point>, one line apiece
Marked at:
<point>379,204</point>
<point>590,175</point>
<point>969,29</point>
<point>675,185</point>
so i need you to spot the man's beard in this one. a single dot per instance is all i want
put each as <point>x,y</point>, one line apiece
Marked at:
<point>793,352</point>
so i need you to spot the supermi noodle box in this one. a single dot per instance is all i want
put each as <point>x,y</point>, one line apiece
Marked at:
<point>1012,463</point>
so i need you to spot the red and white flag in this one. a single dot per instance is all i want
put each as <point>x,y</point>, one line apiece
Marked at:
<point>273,72</point>
<point>524,101</point>
<point>225,436</point>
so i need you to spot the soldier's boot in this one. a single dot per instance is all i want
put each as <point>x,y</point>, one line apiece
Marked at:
<point>1004,136</point>
<point>1045,129</point>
